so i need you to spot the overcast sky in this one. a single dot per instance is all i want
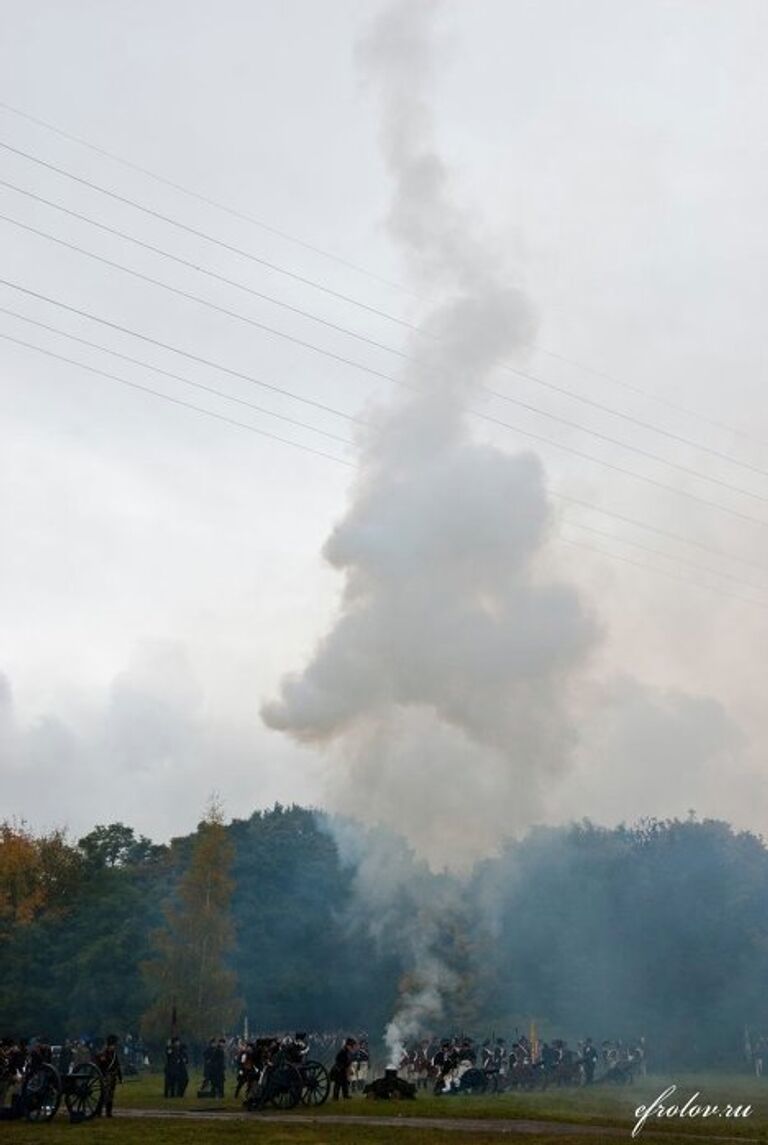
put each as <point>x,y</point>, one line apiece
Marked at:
<point>161,570</point>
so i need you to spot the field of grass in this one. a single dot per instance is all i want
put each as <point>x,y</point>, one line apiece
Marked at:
<point>159,1132</point>
<point>594,1106</point>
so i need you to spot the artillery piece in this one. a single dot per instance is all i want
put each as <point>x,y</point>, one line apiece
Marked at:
<point>44,1087</point>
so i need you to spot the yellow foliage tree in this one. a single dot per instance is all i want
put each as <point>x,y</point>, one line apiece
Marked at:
<point>189,974</point>
<point>37,874</point>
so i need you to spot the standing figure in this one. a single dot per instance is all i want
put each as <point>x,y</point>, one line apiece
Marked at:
<point>108,1061</point>
<point>341,1069</point>
<point>207,1088</point>
<point>218,1067</point>
<point>175,1069</point>
<point>590,1057</point>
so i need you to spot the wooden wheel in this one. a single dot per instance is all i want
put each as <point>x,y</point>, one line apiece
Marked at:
<point>84,1090</point>
<point>284,1086</point>
<point>41,1094</point>
<point>316,1083</point>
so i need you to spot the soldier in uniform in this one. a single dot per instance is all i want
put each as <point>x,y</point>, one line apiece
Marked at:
<point>218,1067</point>
<point>8,1073</point>
<point>108,1061</point>
<point>590,1057</point>
<point>175,1069</point>
<point>341,1068</point>
<point>207,1088</point>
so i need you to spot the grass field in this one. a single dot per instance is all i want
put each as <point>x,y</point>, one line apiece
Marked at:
<point>593,1106</point>
<point>164,1133</point>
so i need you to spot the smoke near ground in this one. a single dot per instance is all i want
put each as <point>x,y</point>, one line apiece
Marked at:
<point>442,689</point>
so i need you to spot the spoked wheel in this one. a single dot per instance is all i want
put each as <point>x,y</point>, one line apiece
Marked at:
<point>41,1094</point>
<point>473,1081</point>
<point>284,1086</point>
<point>316,1083</point>
<point>84,1090</point>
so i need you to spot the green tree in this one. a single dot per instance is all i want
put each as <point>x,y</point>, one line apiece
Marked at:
<point>117,846</point>
<point>189,972</point>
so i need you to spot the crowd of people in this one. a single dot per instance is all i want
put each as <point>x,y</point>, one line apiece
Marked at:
<point>437,1063</point>
<point>525,1062</point>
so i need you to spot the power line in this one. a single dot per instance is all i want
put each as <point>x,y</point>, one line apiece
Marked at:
<point>189,296</point>
<point>201,301</point>
<point>696,414</point>
<point>341,461</point>
<point>710,549</point>
<point>176,401</point>
<point>661,572</point>
<point>543,382</point>
<point>667,556</point>
<point>183,353</point>
<point>483,416</point>
<point>210,202</point>
<point>203,235</point>
<point>341,261</point>
<point>176,377</point>
<point>333,257</point>
<point>204,270</point>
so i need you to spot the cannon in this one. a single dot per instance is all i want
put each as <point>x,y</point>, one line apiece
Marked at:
<point>44,1087</point>
<point>281,1076</point>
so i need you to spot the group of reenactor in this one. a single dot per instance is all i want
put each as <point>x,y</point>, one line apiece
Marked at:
<point>19,1060</point>
<point>522,1063</point>
<point>255,1055</point>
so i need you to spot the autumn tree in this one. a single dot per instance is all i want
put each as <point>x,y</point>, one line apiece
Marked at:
<point>37,874</point>
<point>189,973</point>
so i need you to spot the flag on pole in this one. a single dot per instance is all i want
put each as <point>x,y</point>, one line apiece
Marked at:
<point>534,1040</point>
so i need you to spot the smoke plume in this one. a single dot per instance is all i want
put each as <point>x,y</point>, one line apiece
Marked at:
<point>441,690</point>
<point>442,687</point>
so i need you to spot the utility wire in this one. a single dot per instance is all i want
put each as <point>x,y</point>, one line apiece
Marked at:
<point>192,357</point>
<point>176,377</point>
<point>210,202</point>
<point>666,556</point>
<point>340,461</point>
<point>202,234</point>
<point>485,417</point>
<point>204,270</point>
<point>322,287</point>
<point>189,296</point>
<point>175,401</point>
<point>712,550</point>
<point>661,572</point>
<point>201,301</point>
<point>543,382</point>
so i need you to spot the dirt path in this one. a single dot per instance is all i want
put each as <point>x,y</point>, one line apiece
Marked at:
<point>512,1127</point>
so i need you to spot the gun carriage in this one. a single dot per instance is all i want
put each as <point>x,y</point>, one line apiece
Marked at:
<point>43,1089</point>
<point>279,1074</point>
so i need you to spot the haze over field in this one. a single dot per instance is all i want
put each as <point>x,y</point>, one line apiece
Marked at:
<point>537,180</point>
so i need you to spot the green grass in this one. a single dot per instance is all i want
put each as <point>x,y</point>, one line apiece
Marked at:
<point>597,1105</point>
<point>159,1132</point>
<point>594,1106</point>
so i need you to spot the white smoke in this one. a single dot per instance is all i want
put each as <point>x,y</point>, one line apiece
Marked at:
<point>442,689</point>
<point>443,685</point>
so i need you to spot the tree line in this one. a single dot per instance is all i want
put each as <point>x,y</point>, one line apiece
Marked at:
<point>659,930</point>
